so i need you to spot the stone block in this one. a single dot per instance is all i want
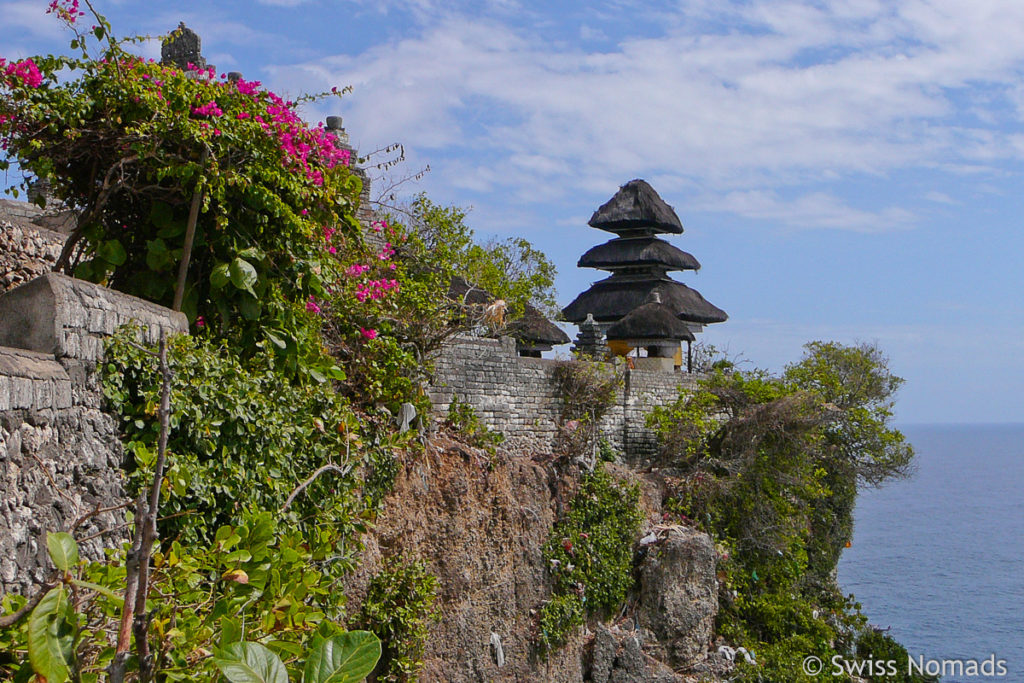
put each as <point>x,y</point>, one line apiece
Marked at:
<point>36,315</point>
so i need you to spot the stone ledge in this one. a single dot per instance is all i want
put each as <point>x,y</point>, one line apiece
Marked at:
<point>66,317</point>
<point>32,381</point>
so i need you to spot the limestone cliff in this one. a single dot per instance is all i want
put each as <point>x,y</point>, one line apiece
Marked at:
<point>480,521</point>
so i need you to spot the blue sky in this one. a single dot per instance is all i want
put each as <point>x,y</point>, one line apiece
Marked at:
<point>846,170</point>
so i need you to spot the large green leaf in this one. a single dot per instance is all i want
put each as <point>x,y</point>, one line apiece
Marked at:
<point>112,252</point>
<point>220,276</point>
<point>51,637</point>
<point>250,663</point>
<point>63,550</point>
<point>346,658</point>
<point>243,274</point>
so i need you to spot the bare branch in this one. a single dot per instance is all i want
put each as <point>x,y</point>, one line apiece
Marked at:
<point>343,471</point>
<point>15,617</point>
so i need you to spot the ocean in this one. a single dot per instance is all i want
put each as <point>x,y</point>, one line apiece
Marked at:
<point>939,558</point>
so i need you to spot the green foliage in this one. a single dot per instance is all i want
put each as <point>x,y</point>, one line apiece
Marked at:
<point>248,436</point>
<point>250,663</point>
<point>347,658</point>
<point>511,269</point>
<point>260,579</point>
<point>462,418</point>
<point>590,553</point>
<point>129,142</point>
<point>874,644</point>
<point>769,466</point>
<point>399,608</point>
<point>51,636</point>
<point>62,549</point>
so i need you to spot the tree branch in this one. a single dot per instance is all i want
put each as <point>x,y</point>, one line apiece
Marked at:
<point>301,487</point>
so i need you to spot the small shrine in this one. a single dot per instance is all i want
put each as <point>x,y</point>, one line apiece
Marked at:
<point>655,328</point>
<point>639,261</point>
<point>535,334</point>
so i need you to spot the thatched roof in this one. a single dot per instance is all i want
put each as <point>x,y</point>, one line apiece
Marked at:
<point>615,297</point>
<point>651,322</point>
<point>636,208</point>
<point>638,251</point>
<point>534,328</point>
<point>461,291</point>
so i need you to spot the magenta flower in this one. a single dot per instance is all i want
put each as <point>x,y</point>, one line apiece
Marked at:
<point>368,333</point>
<point>312,305</point>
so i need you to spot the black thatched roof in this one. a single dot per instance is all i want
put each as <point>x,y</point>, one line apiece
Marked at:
<point>636,208</point>
<point>651,322</point>
<point>463,292</point>
<point>534,328</point>
<point>615,297</point>
<point>638,251</point>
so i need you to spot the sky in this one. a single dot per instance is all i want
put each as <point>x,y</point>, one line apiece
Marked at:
<point>847,170</point>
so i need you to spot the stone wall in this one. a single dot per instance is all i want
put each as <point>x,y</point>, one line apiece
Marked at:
<point>60,457</point>
<point>517,396</point>
<point>26,250</point>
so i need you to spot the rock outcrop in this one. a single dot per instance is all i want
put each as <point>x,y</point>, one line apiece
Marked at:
<point>480,521</point>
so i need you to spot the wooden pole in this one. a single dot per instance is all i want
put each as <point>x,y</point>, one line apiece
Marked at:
<point>190,234</point>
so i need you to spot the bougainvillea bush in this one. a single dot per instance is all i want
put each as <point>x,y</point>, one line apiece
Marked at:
<point>276,458</point>
<point>130,144</point>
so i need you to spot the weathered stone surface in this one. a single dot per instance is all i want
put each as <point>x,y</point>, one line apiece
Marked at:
<point>619,656</point>
<point>69,318</point>
<point>55,466</point>
<point>60,456</point>
<point>679,595</point>
<point>26,251</point>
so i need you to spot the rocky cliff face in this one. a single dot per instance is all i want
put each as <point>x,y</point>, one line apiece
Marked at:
<point>481,521</point>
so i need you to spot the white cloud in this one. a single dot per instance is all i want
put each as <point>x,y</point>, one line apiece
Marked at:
<point>798,93</point>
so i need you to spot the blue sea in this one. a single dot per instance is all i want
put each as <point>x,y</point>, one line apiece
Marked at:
<point>939,558</point>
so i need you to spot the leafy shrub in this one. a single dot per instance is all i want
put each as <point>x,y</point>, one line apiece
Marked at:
<point>399,608</point>
<point>462,418</point>
<point>239,435</point>
<point>769,466</point>
<point>590,554</point>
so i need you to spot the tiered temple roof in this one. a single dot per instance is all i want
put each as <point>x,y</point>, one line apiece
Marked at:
<point>639,262</point>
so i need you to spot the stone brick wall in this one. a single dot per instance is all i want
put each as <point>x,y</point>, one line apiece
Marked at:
<point>26,251</point>
<point>517,396</point>
<point>60,456</point>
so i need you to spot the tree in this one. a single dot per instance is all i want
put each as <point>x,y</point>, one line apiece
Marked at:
<point>770,466</point>
<point>510,269</point>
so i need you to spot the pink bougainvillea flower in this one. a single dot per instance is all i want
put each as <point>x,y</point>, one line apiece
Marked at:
<point>312,306</point>
<point>200,322</point>
<point>369,333</point>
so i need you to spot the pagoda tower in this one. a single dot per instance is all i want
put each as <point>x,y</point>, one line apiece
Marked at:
<point>639,262</point>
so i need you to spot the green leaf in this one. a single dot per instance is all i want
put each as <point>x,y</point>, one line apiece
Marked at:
<point>252,253</point>
<point>276,340</point>
<point>220,276</point>
<point>51,637</point>
<point>230,631</point>
<point>98,32</point>
<point>250,307</point>
<point>158,257</point>
<point>346,658</point>
<point>112,252</point>
<point>250,663</point>
<point>243,274</point>
<point>161,214</point>
<point>63,550</point>
<point>102,590</point>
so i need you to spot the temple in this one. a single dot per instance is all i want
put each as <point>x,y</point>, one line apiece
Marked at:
<point>639,262</point>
